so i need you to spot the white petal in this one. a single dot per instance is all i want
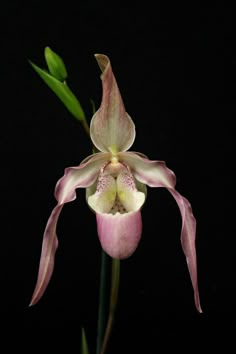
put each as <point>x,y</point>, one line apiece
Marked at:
<point>104,197</point>
<point>127,192</point>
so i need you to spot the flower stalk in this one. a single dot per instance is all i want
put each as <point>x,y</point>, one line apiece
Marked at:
<point>115,281</point>
<point>103,299</point>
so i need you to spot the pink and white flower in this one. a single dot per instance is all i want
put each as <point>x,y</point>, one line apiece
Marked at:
<point>115,180</point>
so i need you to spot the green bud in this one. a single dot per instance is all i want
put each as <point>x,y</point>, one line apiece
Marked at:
<point>55,64</point>
<point>63,92</point>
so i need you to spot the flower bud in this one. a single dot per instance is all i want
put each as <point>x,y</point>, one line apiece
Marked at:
<point>55,64</point>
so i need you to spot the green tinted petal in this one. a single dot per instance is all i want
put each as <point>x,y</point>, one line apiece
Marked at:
<point>129,196</point>
<point>104,197</point>
<point>111,128</point>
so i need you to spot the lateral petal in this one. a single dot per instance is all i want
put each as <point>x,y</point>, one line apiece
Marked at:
<point>156,174</point>
<point>75,177</point>
<point>188,236</point>
<point>152,173</point>
<point>81,176</point>
<point>49,247</point>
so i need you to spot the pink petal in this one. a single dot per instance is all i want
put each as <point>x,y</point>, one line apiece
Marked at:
<point>80,176</point>
<point>75,177</point>
<point>188,235</point>
<point>119,234</point>
<point>49,247</point>
<point>156,174</point>
<point>152,173</point>
<point>111,127</point>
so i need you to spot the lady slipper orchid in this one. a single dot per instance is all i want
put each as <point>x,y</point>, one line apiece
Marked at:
<point>115,182</point>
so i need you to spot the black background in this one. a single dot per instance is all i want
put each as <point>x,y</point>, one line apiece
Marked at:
<point>175,66</point>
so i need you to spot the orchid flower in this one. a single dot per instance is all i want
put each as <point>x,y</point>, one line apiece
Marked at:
<point>115,180</point>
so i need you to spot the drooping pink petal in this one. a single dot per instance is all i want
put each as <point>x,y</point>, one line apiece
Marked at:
<point>156,174</point>
<point>119,234</point>
<point>188,235</point>
<point>81,176</point>
<point>111,128</point>
<point>49,247</point>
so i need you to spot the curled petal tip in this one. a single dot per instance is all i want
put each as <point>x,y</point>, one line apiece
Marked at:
<point>102,61</point>
<point>104,64</point>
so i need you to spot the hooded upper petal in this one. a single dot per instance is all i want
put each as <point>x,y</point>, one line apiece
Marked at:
<point>111,127</point>
<point>75,177</point>
<point>156,174</point>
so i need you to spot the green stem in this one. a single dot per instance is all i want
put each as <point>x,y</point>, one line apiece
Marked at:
<point>87,130</point>
<point>85,126</point>
<point>103,299</point>
<point>115,281</point>
<point>84,344</point>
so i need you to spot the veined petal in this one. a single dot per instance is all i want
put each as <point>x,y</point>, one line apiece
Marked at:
<point>152,173</point>
<point>49,247</point>
<point>111,128</point>
<point>75,177</point>
<point>127,192</point>
<point>156,174</point>
<point>119,234</point>
<point>188,235</point>
<point>81,176</point>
